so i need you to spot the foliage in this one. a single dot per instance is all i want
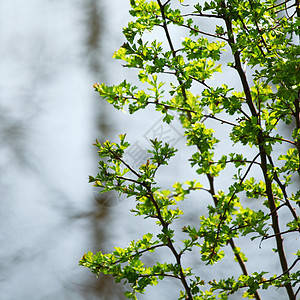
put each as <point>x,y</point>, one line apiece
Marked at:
<point>262,35</point>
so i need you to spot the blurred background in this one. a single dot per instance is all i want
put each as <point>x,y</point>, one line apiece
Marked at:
<point>52,52</point>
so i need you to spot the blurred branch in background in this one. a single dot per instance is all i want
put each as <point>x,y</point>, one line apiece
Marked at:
<point>45,50</point>
<point>99,217</point>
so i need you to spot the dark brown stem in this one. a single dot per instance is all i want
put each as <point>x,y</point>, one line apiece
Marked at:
<point>274,215</point>
<point>201,15</point>
<point>170,245</point>
<point>238,64</point>
<point>290,268</point>
<point>124,163</point>
<point>259,30</point>
<point>279,4</point>
<point>245,27</point>
<point>199,31</point>
<point>273,235</point>
<point>239,259</point>
<point>165,27</point>
<point>283,189</point>
<point>223,216</point>
<point>209,176</point>
<point>262,153</point>
<point>167,106</point>
<point>231,242</point>
<point>297,119</point>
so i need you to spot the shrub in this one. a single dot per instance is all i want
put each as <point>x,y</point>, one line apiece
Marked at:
<point>261,36</point>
